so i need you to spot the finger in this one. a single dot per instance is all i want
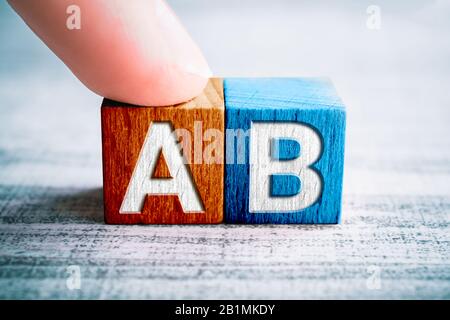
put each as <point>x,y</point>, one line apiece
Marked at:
<point>132,51</point>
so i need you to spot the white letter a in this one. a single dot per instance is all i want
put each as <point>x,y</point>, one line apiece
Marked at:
<point>160,138</point>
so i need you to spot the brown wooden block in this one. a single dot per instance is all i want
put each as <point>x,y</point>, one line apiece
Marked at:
<point>164,165</point>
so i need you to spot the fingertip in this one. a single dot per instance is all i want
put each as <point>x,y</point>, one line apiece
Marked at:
<point>139,54</point>
<point>166,90</point>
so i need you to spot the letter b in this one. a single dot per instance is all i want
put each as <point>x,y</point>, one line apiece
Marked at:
<point>266,166</point>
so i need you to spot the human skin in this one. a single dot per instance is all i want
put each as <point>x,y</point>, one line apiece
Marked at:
<point>131,51</point>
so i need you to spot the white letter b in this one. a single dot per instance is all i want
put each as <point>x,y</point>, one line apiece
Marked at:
<point>264,166</point>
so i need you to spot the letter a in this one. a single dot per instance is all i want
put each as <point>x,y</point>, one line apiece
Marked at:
<point>160,138</point>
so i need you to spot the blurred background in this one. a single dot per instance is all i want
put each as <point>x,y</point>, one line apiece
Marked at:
<point>391,70</point>
<point>390,63</point>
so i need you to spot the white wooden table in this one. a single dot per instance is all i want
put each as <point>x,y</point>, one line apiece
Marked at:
<point>393,242</point>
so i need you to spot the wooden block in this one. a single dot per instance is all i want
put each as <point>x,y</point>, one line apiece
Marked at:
<point>164,165</point>
<point>285,151</point>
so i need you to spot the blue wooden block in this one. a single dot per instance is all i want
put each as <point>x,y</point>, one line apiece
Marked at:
<point>284,150</point>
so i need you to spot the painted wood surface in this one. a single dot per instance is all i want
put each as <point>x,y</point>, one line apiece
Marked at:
<point>309,101</point>
<point>124,130</point>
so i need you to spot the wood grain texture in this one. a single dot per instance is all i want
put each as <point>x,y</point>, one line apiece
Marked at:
<point>161,169</point>
<point>409,248</point>
<point>308,101</point>
<point>124,128</point>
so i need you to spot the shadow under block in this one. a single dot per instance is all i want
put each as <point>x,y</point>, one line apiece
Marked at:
<point>153,175</point>
<point>291,168</point>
